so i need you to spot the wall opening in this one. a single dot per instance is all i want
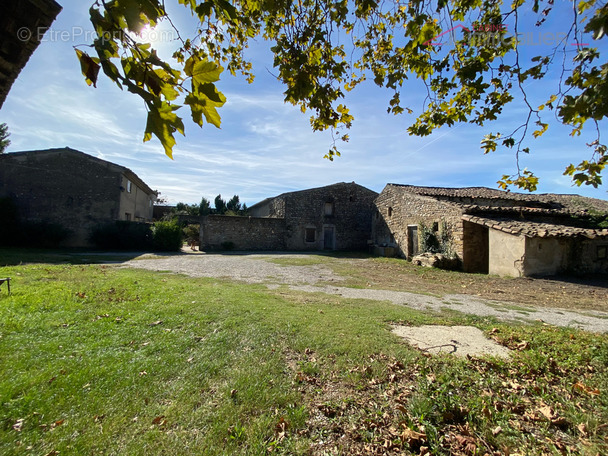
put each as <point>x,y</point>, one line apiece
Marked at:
<point>412,241</point>
<point>476,248</point>
<point>310,235</point>
<point>328,238</point>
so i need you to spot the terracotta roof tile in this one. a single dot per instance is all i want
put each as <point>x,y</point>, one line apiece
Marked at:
<point>534,228</point>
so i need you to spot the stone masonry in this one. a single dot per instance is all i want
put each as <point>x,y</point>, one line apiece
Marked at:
<point>223,232</point>
<point>334,217</point>
<point>74,190</point>
<point>496,232</point>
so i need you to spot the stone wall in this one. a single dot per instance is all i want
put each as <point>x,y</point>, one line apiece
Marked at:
<point>335,217</point>
<point>396,209</point>
<point>271,207</point>
<point>589,256</point>
<point>136,204</point>
<point>22,25</point>
<point>65,187</point>
<point>223,232</point>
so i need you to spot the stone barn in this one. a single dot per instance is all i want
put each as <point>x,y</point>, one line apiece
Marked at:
<point>334,217</point>
<point>492,231</point>
<point>74,190</point>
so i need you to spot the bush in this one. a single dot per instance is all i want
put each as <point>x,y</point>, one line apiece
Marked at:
<point>192,232</point>
<point>167,236</point>
<point>432,241</point>
<point>122,235</point>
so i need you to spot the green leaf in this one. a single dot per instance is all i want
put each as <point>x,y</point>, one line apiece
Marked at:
<point>89,67</point>
<point>201,105</point>
<point>204,71</point>
<point>163,123</point>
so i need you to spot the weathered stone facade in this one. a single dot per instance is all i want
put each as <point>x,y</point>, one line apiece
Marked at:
<point>396,210</point>
<point>22,25</point>
<point>224,232</point>
<point>74,190</point>
<point>495,232</point>
<point>334,217</point>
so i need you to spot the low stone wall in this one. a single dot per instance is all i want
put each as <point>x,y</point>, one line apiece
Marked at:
<point>222,232</point>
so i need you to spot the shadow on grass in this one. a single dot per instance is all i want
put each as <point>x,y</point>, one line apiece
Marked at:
<point>17,256</point>
<point>592,280</point>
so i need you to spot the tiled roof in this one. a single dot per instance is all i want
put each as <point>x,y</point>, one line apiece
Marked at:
<point>534,228</point>
<point>336,185</point>
<point>571,203</point>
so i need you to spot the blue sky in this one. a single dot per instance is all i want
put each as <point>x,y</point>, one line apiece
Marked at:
<point>266,147</point>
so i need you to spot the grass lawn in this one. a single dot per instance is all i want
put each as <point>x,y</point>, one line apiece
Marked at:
<point>100,360</point>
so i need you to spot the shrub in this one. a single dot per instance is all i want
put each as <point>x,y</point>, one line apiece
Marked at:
<point>428,239</point>
<point>167,236</point>
<point>436,242</point>
<point>192,232</point>
<point>122,235</point>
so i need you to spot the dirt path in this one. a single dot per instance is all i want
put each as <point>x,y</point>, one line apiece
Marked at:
<point>314,278</point>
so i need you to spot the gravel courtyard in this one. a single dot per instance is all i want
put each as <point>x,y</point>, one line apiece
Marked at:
<point>299,272</point>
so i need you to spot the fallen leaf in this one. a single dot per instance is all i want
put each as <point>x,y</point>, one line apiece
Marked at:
<point>156,323</point>
<point>159,420</point>
<point>547,412</point>
<point>281,426</point>
<point>497,430</point>
<point>412,437</point>
<point>586,389</point>
<point>582,428</point>
<point>57,424</point>
<point>18,425</point>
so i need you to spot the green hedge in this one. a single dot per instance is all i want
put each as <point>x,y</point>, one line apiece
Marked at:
<point>167,236</point>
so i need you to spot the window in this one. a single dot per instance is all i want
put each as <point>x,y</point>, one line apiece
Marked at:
<point>390,211</point>
<point>128,186</point>
<point>435,226</point>
<point>310,234</point>
<point>601,252</point>
<point>329,208</point>
<point>127,216</point>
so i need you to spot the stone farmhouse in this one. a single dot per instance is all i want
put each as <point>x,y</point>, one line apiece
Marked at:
<point>493,231</point>
<point>74,190</point>
<point>335,217</point>
<point>21,25</point>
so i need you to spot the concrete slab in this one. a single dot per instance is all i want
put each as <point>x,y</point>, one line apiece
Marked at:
<point>456,340</point>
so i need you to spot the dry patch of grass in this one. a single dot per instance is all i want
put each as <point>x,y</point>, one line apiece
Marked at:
<point>400,275</point>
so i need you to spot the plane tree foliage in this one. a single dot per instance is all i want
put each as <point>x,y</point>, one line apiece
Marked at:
<point>325,48</point>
